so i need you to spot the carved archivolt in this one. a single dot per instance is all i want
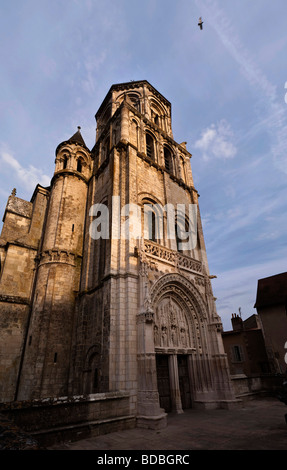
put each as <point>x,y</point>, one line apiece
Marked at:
<point>182,288</point>
<point>180,313</point>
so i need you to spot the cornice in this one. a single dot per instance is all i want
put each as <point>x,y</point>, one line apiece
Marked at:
<point>67,172</point>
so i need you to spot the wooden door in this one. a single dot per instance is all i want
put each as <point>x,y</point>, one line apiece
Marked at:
<point>163,382</point>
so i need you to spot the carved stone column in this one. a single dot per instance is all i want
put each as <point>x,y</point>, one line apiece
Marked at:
<point>125,124</point>
<point>150,415</point>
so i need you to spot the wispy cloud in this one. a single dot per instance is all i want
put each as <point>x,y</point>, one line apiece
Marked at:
<point>269,235</point>
<point>229,38</point>
<point>217,141</point>
<point>237,287</point>
<point>92,65</point>
<point>275,122</point>
<point>247,216</point>
<point>27,178</point>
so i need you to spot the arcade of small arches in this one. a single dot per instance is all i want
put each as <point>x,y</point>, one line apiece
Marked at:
<point>72,161</point>
<point>156,111</point>
<point>146,139</point>
<point>162,154</point>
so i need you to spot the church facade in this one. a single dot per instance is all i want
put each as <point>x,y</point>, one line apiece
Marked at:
<point>105,288</point>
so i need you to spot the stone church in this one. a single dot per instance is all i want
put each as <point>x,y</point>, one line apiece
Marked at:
<point>103,308</point>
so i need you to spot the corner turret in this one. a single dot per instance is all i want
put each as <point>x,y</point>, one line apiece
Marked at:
<point>73,155</point>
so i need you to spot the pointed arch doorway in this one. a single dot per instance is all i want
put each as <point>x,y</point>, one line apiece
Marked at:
<point>173,345</point>
<point>179,340</point>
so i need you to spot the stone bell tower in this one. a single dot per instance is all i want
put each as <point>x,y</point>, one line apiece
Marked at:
<point>105,292</point>
<point>146,316</point>
<point>46,364</point>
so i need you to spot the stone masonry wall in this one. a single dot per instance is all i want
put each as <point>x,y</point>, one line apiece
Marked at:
<point>77,417</point>
<point>13,324</point>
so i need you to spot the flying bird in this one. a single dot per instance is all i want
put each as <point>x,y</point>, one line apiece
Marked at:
<point>200,23</point>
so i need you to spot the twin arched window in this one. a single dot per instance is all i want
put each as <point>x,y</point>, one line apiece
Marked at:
<point>150,151</point>
<point>152,220</point>
<point>185,227</point>
<point>79,163</point>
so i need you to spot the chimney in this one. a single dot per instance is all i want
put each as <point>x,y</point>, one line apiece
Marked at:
<point>237,323</point>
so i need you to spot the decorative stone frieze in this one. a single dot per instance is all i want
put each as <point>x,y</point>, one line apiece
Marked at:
<point>145,317</point>
<point>172,257</point>
<point>57,256</point>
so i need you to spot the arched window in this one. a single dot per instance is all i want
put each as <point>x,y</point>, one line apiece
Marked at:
<point>150,146</point>
<point>134,100</point>
<point>167,159</point>
<point>183,234</point>
<point>152,227</point>
<point>157,113</point>
<point>65,162</point>
<point>153,221</point>
<point>102,247</point>
<point>79,165</point>
<point>105,148</point>
<point>92,371</point>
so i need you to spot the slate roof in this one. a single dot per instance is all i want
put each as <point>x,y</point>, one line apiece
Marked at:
<point>75,139</point>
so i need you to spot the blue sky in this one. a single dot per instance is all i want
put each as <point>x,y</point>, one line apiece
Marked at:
<point>227,89</point>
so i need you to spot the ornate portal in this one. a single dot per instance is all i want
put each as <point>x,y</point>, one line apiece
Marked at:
<point>171,328</point>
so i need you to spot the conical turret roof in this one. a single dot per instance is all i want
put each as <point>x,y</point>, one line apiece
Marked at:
<point>75,139</point>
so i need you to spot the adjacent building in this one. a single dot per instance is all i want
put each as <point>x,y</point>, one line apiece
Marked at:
<point>271,306</point>
<point>245,347</point>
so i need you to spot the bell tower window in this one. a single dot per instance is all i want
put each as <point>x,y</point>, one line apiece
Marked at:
<point>183,234</point>
<point>152,221</point>
<point>167,159</point>
<point>134,101</point>
<point>150,146</point>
